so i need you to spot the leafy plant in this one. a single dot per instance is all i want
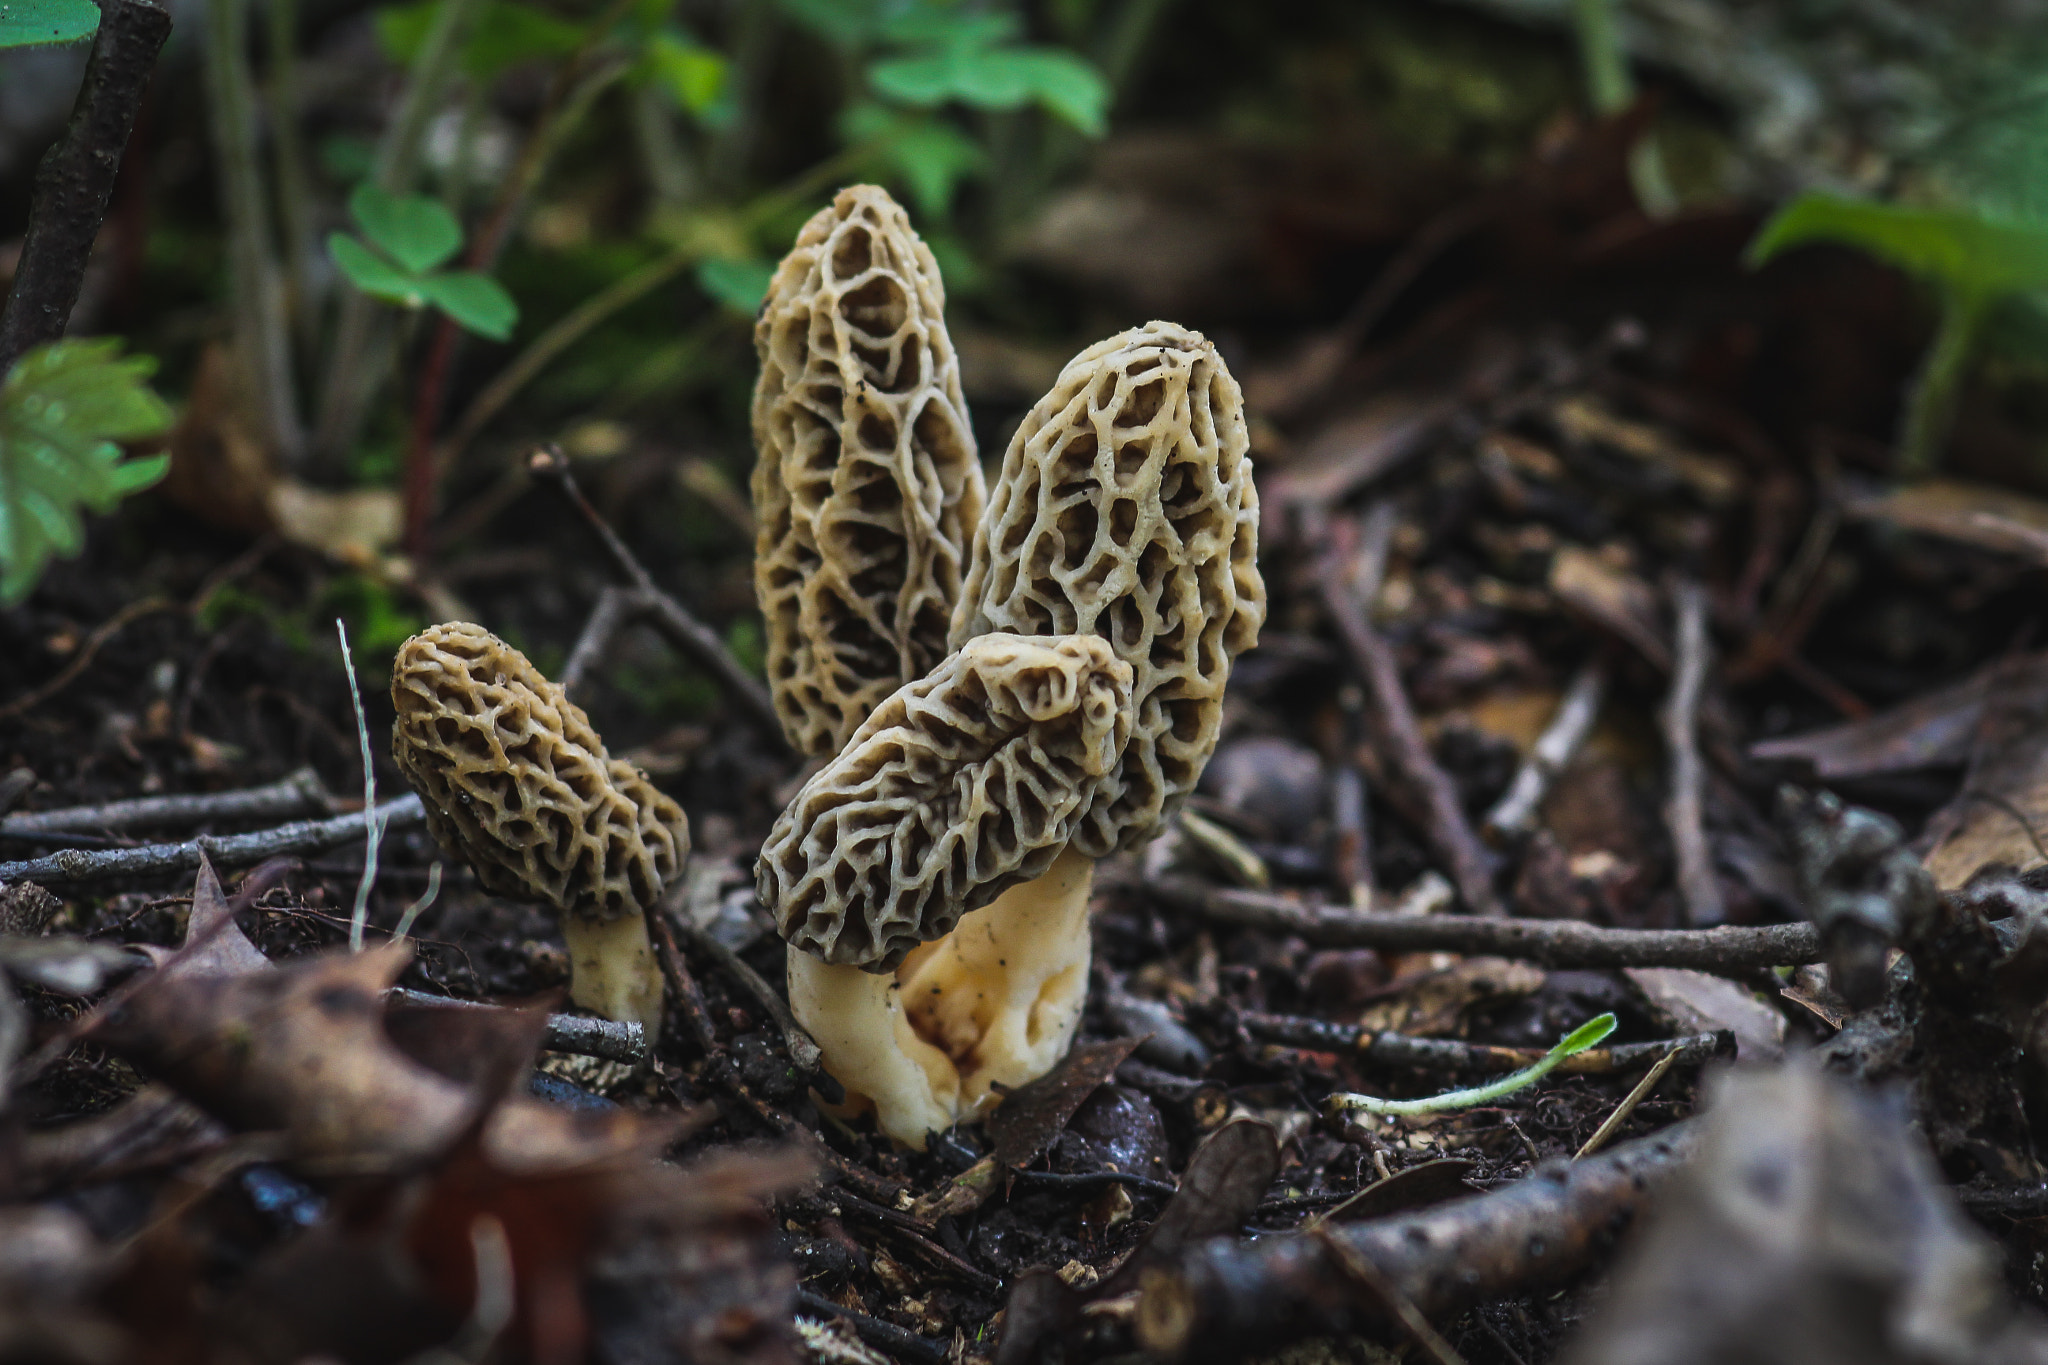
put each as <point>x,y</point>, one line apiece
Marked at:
<point>62,409</point>
<point>1972,261</point>
<point>410,236</point>
<point>1578,1040</point>
<point>41,23</point>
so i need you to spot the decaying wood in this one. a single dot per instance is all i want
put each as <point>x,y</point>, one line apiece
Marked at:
<point>1730,950</point>
<point>1225,1298</point>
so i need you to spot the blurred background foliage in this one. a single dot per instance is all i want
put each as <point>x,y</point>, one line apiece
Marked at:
<point>627,171</point>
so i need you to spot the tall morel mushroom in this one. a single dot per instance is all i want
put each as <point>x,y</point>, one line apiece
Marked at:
<point>518,785</point>
<point>866,486</point>
<point>1125,513</point>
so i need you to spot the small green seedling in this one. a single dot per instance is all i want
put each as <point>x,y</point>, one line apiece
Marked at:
<point>62,408</point>
<point>1972,261</point>
<point>410,237</point>
<point>1578,1040</point>
<point>44,23</point>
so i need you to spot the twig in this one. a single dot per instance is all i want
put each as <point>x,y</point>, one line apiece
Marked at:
<point>82,660</point>
<point>1468,860</point>
<point>606,1038</point>
<point>76,177</point>
<point>1091,1180</point>
<point>615,606</point>
<point>1628,1105</point>
<point>234,850</point>
<point>1680,719</point>
<point>1388,1048</point>
<point>803,1049</point>
<point>1222,1299</point>
<point>874,1331</point>
<point>297,794</point>
<point>1730,950</point>
<point>1515,812</point>
<point>373,832</point>
<point>684,631</point>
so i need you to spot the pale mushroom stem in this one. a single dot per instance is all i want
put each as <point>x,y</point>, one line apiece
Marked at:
<point>995,1002</point>
<point>612,970</point>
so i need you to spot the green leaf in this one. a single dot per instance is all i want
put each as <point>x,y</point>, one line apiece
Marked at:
<point>694,76</point>
<point>739,285</point>
<point>62,408</point>
<point>1573,1043</point>
<point>412,229</point>
<point>475,301</point>
<point>999,78</point>
<point>929,153</point>
<point>372,274</point>
<point>932,26</point>
<point>505,35</point>
<point>1972,255</point>
<point>39,23</point>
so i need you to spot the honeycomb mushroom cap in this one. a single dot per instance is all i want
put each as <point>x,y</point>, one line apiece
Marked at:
<point>960,785</point>
<point>516,782</point>
<point>866,484</point>
<point>1126,509</point>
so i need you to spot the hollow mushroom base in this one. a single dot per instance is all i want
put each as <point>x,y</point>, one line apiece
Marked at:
<point>612,970</point>
<point>995,1002</point>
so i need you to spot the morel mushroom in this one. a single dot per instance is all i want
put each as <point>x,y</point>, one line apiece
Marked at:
<point>1126,513</point>
<point>961,789</point>
<point>518,785</point>
<point>866,485</point>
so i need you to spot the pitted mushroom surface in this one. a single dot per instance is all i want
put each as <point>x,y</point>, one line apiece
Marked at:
<point>517,783</point>
<point>866,486</point>
<point>960,785</point>
<point>1126,509</point>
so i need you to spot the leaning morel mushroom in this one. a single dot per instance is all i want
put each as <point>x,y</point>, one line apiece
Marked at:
<point>866,486</point>
<point>963,786</point>
<point>518,785</point>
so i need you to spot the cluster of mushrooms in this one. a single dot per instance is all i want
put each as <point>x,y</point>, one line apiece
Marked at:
<point>1004,685</point>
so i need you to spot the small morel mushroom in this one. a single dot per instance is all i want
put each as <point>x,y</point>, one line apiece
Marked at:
<point>1126,514</point>
<point>518,785</point>
<point>962,788</point>
<point>866,485</point>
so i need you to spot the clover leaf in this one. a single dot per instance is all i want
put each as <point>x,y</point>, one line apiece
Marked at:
<point>409,236</point>
<point>62,408</point>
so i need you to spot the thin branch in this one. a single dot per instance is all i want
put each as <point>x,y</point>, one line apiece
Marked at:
<point>667,615</point>
<point>1730,950</point>
<point>611,1040</point>
<point>234,850</point>
<point>615,607</point>
<point>1515,813</point>
<point>1680,721</point>
<point>76,177</point>
<point>1388,1048</point>
<point>1407,753</point>
<point>1223,1299</point>
<point>1636,1096</point>
<point>298,794</point>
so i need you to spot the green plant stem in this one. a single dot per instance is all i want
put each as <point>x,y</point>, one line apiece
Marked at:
<point>288,159</point>
<point>1578,1040</point>
<point>352,383</point>
<point>261,336</point>
<point>1931,398</point>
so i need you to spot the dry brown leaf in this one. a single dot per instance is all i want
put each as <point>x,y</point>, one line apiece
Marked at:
<point>1935,729</point>
<point>1695,1002</point>
<point>2000,815</point>
<point>1713,479</point>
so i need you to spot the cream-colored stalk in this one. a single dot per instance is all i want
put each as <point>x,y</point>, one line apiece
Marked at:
<point>612,970</point>
<point>994,1003</point>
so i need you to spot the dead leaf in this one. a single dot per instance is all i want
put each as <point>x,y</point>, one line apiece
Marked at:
<point>1695,1002</point>
<point>1989,518</point>
<point>352,526</point>
<point>1612,598</point>
<point>1813,1227</point>
<point>1935,729</point>
<point>1715,480</point>
<point>2000,815</point>
<point>1031,1116</point>
<point>1415,1188</point>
